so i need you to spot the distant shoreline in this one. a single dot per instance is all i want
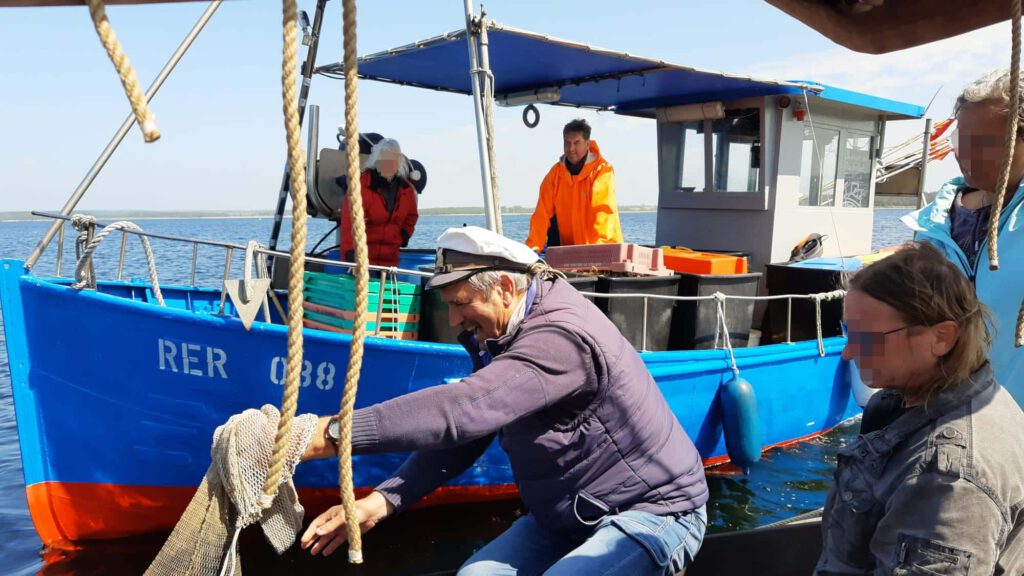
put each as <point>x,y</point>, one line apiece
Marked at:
<point>105,215</point>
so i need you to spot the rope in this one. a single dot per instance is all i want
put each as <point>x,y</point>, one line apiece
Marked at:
<point>720,306</point>
<point>297,261</point>
<point>140,107</point>
<point>83,274</point>
<point>818,299</point>
<point>86,226</point>
<point>362,273</point>
<point>1012,119</point>
<point>1019,340</point>
<point>488,94</point>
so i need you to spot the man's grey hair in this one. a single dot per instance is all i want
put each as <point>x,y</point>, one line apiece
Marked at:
<point>485,281</point>
<point>390,145</point>
<point>994,86</point>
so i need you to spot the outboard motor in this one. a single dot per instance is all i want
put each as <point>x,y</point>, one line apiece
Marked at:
<point>327,175</point>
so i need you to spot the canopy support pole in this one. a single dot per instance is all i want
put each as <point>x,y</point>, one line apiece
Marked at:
<point>108,151</point>
<point>307,78</point>
<point>477,76</point>
<point>925,153</point>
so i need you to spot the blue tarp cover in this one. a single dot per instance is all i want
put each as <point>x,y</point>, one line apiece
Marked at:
<point>586,76</point>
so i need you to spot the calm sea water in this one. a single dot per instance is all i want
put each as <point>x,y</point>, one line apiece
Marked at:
<point>786,483</point>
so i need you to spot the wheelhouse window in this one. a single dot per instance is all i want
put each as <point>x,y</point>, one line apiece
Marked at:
<point>855,169</point>
<point>732,146</point>
<point>736,141</point>
<point>818,163</point>
<point>691,165</point>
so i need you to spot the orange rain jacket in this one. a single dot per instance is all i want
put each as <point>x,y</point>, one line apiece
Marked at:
<point>583,204</point>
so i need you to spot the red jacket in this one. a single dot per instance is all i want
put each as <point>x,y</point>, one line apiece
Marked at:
<point>386,231</point>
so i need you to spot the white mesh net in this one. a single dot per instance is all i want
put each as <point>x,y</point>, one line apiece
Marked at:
<point>203,542</point>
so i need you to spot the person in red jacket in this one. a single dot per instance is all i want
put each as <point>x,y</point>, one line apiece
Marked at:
<point>389,206</point>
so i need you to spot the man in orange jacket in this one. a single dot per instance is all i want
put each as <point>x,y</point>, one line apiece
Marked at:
<point>578,193</point>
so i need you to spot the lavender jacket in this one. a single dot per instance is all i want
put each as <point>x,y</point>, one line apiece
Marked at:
<point>585,427</point>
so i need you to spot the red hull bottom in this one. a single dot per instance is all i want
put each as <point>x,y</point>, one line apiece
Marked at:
<point>68,513</point>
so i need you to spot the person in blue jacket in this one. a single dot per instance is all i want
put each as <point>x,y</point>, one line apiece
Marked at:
<point>958,220</point>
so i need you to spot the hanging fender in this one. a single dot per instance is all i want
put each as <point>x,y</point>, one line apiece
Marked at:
<point>740,422</point>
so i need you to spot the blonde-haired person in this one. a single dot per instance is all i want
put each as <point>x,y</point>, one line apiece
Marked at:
<point>935,482</point>
<point>389,206</point>
<point>957,221</point>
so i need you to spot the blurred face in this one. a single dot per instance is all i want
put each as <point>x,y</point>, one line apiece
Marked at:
<point>575,146</point>
<point>387,164</point>
<point>978,142</point>
<point>889,352</point>
<point>485,314</point>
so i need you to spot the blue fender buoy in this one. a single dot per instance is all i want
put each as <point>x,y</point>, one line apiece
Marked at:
<point>740,422</point>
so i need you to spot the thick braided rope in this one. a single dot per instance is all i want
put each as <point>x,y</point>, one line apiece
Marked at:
<point>82,276</point>
<point>355,359</point>
<point>143,115</point>
<point>1012,120</point>
<point>297,263</point>
<point>1019,340</point>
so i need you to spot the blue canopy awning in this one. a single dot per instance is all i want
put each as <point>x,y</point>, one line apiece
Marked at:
<point>586,76</point>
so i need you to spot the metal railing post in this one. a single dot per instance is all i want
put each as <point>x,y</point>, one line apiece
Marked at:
<point>789,320</point>
<point>227,273</point>
<point>195,255</point>
<point>643,337</point>
<point>120,260</point>
<point>60,248</point>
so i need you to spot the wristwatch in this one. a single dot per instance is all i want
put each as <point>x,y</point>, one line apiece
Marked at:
<point>333,431</point>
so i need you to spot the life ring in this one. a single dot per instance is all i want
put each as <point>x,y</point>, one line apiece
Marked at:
<point>526,116</point>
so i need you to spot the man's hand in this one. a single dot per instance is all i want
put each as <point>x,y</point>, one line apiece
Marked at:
<point>319,446</point>
<point>329,530</point>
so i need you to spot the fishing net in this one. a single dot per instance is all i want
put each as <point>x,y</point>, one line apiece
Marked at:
<point>204,542</point>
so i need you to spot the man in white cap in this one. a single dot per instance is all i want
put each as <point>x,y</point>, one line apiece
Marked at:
<point>612,483</point>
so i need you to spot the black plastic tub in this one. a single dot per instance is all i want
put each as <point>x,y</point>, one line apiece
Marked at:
<point>789,279</point>
<point>694,324</point>
<point>628,313</point>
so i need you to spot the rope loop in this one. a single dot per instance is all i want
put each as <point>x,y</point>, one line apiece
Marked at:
<point>84,276</point>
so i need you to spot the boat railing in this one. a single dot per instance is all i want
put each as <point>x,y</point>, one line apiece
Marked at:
<point>391,272</point>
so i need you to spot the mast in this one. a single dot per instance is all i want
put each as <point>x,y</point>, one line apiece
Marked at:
<point>108,151</point>
<point>477,76</point>
<point>307,78</point>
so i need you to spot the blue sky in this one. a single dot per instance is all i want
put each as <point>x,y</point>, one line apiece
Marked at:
<point>223,140</point>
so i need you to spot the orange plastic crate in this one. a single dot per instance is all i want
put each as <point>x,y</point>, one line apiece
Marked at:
<point>693,262</point>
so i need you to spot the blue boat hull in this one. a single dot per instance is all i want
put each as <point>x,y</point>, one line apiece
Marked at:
<point>116,398</point>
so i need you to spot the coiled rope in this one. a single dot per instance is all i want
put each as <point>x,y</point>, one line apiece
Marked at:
<point>143,115</point>
<point>362,273</point>
<point>297,261</point>
<point>83,269</point>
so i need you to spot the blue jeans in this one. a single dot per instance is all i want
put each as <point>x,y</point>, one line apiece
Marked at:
<point>628,543</point>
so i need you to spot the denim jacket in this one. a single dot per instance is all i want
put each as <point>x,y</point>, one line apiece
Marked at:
<point>939,490</point>
<point>1001,290</point>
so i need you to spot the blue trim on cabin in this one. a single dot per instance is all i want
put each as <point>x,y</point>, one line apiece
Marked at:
<point>845,96</point>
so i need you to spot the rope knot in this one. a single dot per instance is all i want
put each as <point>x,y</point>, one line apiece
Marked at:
<point>81,222</point>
